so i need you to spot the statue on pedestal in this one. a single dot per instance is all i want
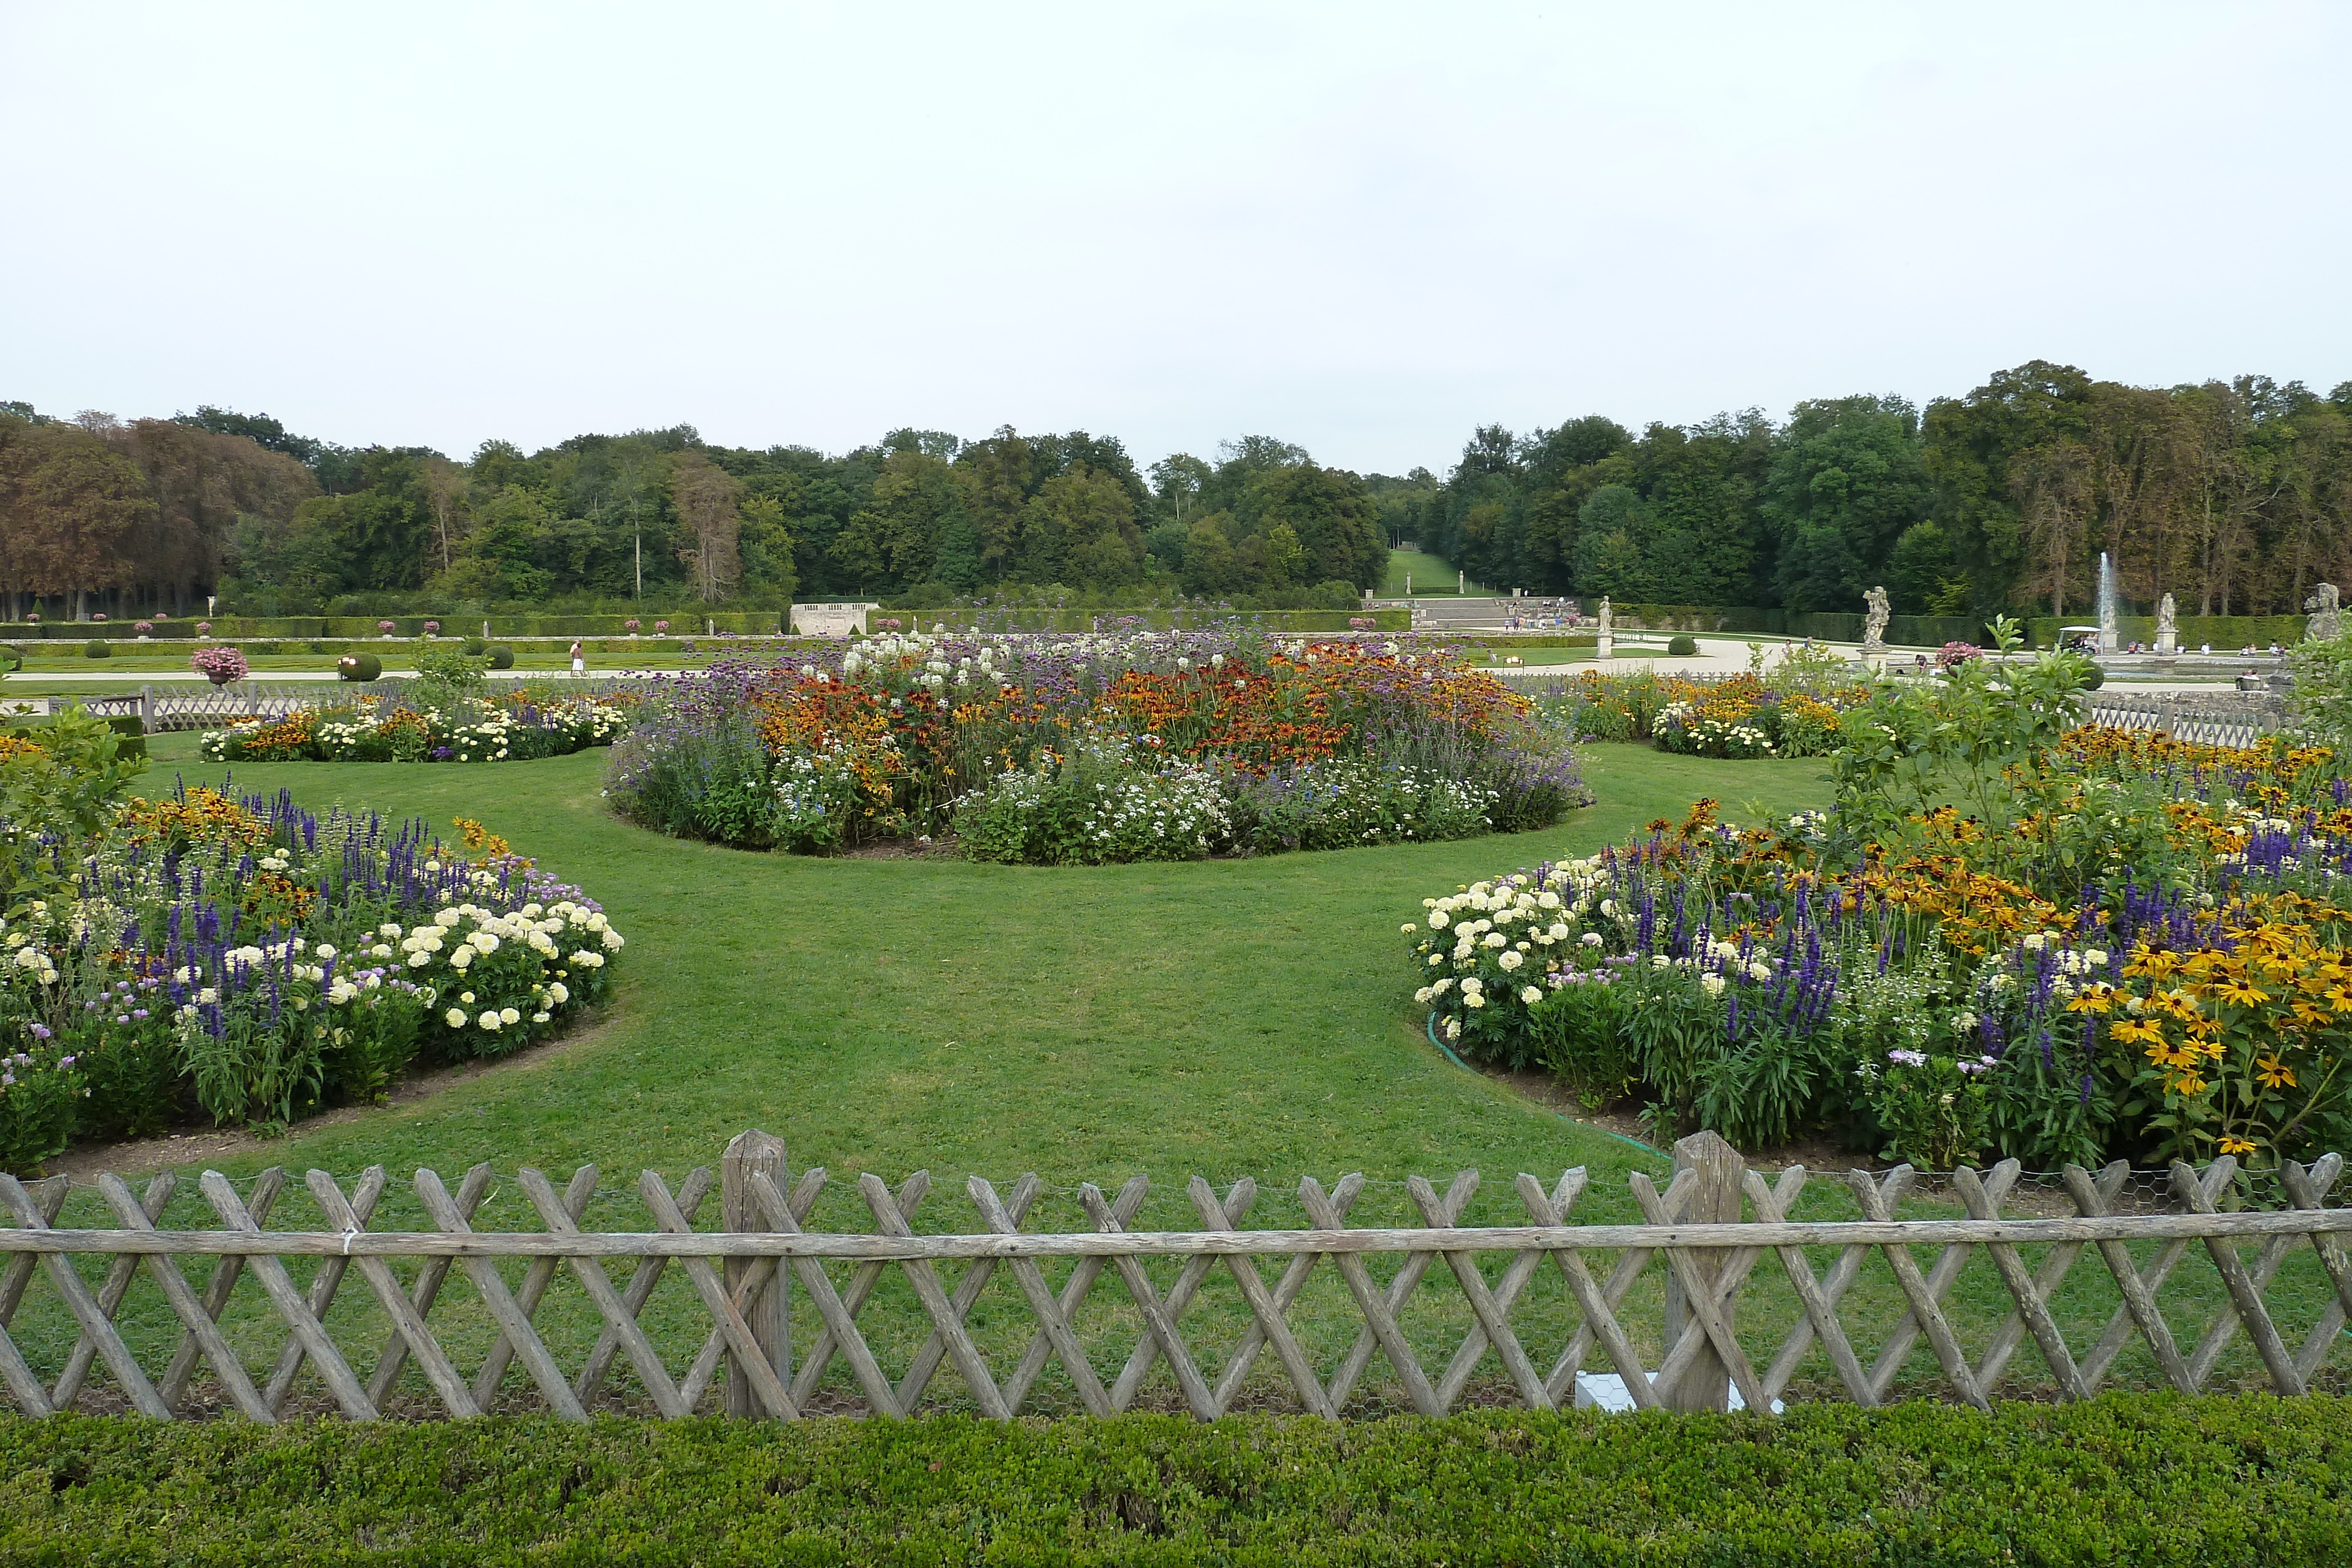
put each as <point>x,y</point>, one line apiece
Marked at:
<point>1877,613</point>
<point>1608,637</point>
<point>2326,613</point>
<point>2167,629</point>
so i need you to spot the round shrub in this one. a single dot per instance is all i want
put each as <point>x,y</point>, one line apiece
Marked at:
<point>98,650</point>
<point>359,667</point>
<point>501,657</point>
<point>2094,678</point>
<point>474,646</point>
<point>1682,645</point>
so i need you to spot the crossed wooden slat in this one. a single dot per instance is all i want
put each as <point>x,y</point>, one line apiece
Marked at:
<point>1708,1300</point>
<point>1597,1303</point>
<point>733,1302</point>
<point>1830,1290</point>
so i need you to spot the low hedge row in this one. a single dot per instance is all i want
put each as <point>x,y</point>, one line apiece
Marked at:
<point>228,628</point>
<point>1155,617</point>
<point>2228,633</point>
<point>2142,1479</point>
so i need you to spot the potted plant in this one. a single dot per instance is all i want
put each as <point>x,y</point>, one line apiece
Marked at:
<point>219,666</point>
<point>661,627</point>
<point>145,629</point>
<point>386,627</point>
<point>630,627</point>
<point>205,630</point>
<point>433,628</point>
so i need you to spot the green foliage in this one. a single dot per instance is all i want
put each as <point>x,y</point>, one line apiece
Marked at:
<point>2213,1482</point>
<point>98,649</point>
<point>2323,687</point>
<point>1914,743</point>
<point>68,784</point>
<point>448,676</point>
<point>1682,645</point>
<point>1936,1109</point>
<point>501,657</point>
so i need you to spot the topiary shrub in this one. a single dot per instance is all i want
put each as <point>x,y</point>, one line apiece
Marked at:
<point>501,657</point>
<point>98,650</point>
<point>474,646</point>
<point>1682,645</point>
<point>359,667</point>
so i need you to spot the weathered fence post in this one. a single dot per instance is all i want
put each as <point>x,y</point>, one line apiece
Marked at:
<point>147,710</point>
<point>1715,1193</point>
<point>768,1315</point>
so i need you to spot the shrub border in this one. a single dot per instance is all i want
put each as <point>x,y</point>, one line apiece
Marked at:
<point>2215,1481</point>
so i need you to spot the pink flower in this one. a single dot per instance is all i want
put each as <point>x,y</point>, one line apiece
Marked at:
<point>384,626</point>
<point>220,665</point>
<point>661,625</point>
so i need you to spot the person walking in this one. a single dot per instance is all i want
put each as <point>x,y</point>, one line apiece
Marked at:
<point>579,662</point>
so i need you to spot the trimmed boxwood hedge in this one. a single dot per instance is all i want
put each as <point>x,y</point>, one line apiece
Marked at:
<point>2142,1479</point>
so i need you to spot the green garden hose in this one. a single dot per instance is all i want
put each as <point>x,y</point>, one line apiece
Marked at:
<point>1588,1126</point>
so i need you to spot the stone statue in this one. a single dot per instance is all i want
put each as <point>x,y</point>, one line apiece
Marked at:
<point>1608,649</point>
<point>2326,614</point>
<point>1604,615</point>
<point>2167,628</point>
<point>1873,629</point>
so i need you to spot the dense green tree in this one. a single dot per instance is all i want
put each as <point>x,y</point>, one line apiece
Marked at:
<point>1847,477</point>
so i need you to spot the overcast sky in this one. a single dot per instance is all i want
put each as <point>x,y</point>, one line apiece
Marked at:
<point>1363,229</point>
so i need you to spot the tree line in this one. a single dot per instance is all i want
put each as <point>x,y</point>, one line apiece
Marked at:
<point>2236,496</point>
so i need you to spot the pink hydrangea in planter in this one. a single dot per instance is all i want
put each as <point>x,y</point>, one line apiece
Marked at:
<point>661,625</point>
<point>145,628</point>
<point>630,627</point>
<point>203,628</point>
<point>219,666</point>
<point>100,618</point>
<point>1952,655</point>
<point>385,627</point>
<point>433,628</point>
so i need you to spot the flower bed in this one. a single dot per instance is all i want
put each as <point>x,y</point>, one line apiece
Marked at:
<point>1115,747</point>
<point>1791,707</point>
<point>2147,957</point>
<point>247,961</point>
<point>511,727</point>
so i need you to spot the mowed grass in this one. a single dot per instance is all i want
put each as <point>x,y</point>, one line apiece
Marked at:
<point>1429,574</point>
<point>1228,1018</point>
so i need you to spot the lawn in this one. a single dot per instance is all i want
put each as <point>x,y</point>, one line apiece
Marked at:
<point>1430,575</point>
<point>1229,1018</point>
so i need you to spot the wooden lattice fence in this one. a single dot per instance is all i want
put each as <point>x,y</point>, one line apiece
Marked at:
<point>744,1277</point>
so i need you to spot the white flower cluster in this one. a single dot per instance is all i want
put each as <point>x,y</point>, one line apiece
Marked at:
<point>1501,935</point>
<point>472,946</point>
<point>1180,812</point>
<point>26,956</point>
